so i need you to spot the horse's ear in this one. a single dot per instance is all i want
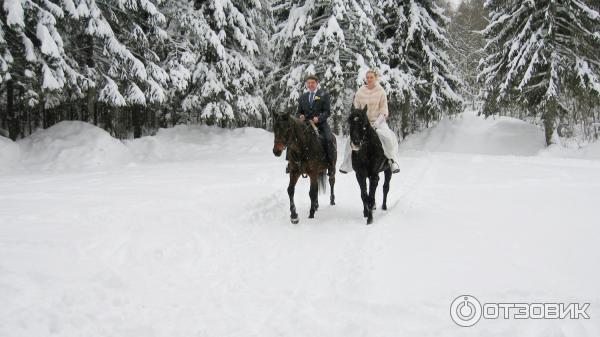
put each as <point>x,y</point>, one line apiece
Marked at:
<point>281,115</point>
<point>365,109</point>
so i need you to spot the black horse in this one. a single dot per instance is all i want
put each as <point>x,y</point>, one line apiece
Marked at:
<point>305,157</point>
<point>368,160</point>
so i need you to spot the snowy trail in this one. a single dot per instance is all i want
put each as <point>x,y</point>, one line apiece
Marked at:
<point>203,246</point>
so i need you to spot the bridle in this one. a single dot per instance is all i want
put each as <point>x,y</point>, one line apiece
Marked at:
<point>289,133</point>
<point>364,136</point>
<point>293,136</point>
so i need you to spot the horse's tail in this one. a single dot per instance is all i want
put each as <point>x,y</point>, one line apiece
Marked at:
<point>322,183</point>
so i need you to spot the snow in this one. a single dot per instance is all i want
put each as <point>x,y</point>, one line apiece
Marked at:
<point>14,10</point>
<point>329,32</point>
<point>110,94</point>
<point>48,45</point>
<point>72,146</point>
<point>187,233</point>
<point>9,153</point>
<point>478,135</point>
<point>50,82</point>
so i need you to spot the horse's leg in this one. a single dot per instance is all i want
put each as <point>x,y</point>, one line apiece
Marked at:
<point>362,183</point>
<point>331,186</point>
<point>291,189</point>
<point>314,194</point>
<point>373,182</point>
<point>386,187</point>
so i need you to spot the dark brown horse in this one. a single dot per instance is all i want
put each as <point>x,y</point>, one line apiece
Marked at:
<point>305,156</point>
<point>368,159</point>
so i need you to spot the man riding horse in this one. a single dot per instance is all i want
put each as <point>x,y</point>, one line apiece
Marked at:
<point>314,105</point>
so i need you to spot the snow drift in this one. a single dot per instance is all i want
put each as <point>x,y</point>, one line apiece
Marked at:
<point>9,153</point>
<point>72,145</point>
<point>477,135</point>
<point>184,142</point>
<point>471,134</point>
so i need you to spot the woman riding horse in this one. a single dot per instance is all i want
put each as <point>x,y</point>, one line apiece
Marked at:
<point>372,96</point>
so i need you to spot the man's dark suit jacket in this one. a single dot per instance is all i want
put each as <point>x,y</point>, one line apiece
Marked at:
<point>321,107</point>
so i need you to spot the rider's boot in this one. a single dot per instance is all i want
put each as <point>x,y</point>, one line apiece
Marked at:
<point>394,166</point>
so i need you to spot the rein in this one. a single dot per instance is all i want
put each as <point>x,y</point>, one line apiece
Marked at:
<point>362,140</point>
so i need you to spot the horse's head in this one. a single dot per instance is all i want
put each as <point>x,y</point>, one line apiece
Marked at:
<point>281,129</point>
<point>359,124</point>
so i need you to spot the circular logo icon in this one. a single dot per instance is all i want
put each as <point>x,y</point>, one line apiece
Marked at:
<point>465,310</point>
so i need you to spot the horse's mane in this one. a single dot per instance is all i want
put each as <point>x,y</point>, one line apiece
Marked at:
<point>299,126</point>
<point>296,121</point>
<point>304,134</point>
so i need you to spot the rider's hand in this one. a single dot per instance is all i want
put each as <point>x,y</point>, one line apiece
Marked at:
<point>302,117</point>
<point>316,120</point>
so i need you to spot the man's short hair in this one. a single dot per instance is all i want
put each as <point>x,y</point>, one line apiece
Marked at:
<point>311,77</point>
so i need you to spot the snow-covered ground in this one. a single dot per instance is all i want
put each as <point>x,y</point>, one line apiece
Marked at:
<point>187,233</point>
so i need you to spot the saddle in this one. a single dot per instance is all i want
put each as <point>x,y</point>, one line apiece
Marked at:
<point>322,140</point>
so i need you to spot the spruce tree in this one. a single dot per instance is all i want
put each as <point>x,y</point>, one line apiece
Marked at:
<point>467,22</point>
<point>537,53</point>
<point>34,67</point>
<point>213,64</point>
<point>422,80</point>
<point>116,44</point>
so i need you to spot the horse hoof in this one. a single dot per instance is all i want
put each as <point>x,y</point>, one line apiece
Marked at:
<point>295,221</point>
<point>369,221</point>
<point>332,203</point>
<point>384,207</point>
<point>374,207</point>
<point>365,214</point>
<point>311,216</point>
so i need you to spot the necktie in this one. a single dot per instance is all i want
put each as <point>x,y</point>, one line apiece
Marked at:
<point>312,97</point>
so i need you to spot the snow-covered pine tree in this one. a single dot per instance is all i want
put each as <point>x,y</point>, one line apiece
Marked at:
<point>213,65</point>
<point>34,68</point>
<point>467,22</point>
<point>537,51</point>
<point>422,80</point>
<point>117,43</point>
<point>333,39</point>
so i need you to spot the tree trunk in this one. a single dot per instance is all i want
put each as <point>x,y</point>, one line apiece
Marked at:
<point>137,119</point>
<point>549,119</point>
<point>90,106</point>
<point>91,93</point>
<point>405,122</point>
<point>11,114</point>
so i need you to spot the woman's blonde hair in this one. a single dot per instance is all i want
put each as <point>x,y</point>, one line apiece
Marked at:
<point>374,72</point>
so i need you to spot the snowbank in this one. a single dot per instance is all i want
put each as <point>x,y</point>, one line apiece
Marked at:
<point>194,142</point>
<point>72,145</point>
<point>592,151</point>
<point>573,150</point>
<point>82,146</point>
<point>9,153</point>
<point>478,135</point>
